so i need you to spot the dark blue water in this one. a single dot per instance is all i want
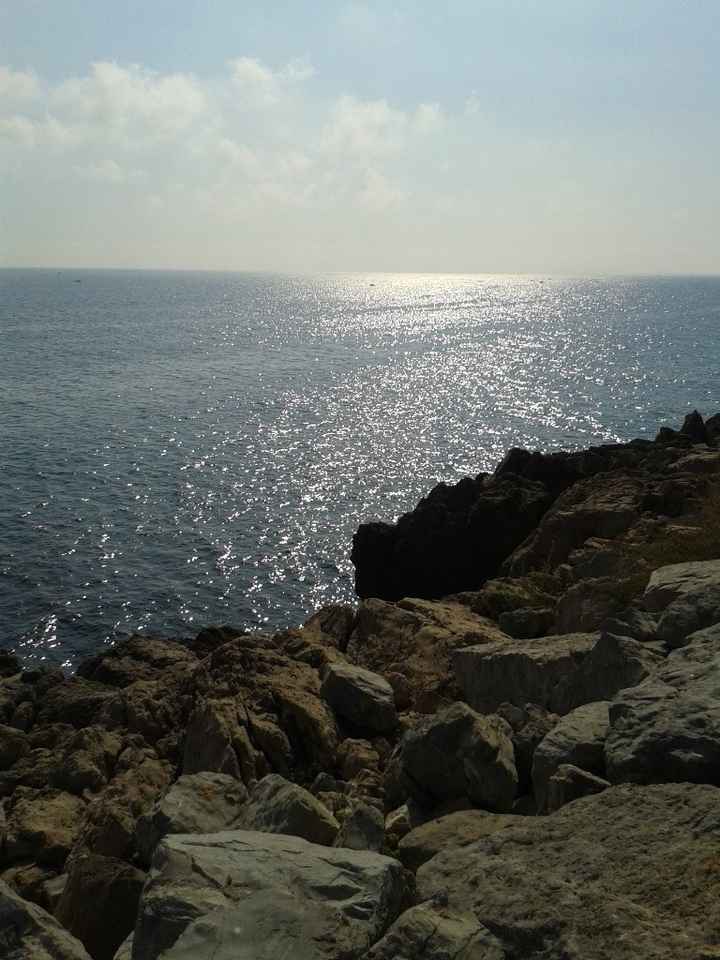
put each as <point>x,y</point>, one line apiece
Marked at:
<point>180,449</point>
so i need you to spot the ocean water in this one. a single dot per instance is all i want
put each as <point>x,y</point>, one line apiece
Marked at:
<point>181,449</point>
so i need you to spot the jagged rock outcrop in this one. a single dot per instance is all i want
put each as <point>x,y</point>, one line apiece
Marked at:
<point>27,932</point>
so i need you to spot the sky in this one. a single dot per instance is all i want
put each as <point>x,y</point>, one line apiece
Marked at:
<point>541,136</point>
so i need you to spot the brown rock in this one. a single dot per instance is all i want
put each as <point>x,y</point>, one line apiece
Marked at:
<point>42,825</point>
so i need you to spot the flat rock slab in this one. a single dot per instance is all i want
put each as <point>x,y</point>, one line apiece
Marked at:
<point>627,874</point>
<point>521,671</point>
<point>668,727</point>
<point>27,932</point>
<point>453,830</point>
<point>242,895</point>
<point>671,582</point>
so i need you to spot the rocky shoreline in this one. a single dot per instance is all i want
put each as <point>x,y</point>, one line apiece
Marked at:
<point>510,749</point>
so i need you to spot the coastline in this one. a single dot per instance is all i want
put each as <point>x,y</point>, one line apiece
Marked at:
<point>524,694</point>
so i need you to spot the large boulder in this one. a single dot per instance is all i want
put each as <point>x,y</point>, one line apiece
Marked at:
<point>27,932</point>
<point>362,829</point>
<point>454,539</point>
<point>362,699</point>
<point>453,830</point>
<point>430,932</point>
<point>569,783</point>
<point>255,896</point>
<point>195,803</point>
<point>668,727</point>
<point>522,671</point>
<point>687,595</point>
<point>277,806</point>
<point>452,754</point>
<point>628,873</point>
<point>112,888</point>
<point>42,825</point>
<point>578,739</point>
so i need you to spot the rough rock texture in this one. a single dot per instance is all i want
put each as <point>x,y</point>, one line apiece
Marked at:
<point>254,896</point>
<point>429,932</point>
<point>629,873</point>
<point>277,806</point>
<point>362,699</point>
<point>530,724</point>
<point>668,727</point>
<point>455,753</point>
<point>27,932</point>
<point>453,830</point>
<point>523,671</point>
<point>578,739</point>
<point>42,825</point>
<point>411,643</point>
<point>99,903</point>
<point>455,538</point>
<point>569,783</point>
<point>688,597</point>
<point>195,803</point>
<point>362,829</point>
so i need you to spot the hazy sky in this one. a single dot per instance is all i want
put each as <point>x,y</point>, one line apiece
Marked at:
<point>554,136</point>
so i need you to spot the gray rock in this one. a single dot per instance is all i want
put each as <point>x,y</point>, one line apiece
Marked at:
<point>277,806</point>
<point>362,829</point>
<point>27,932</point>
<point>195,803</point>
<point>455,753</point>
<point>253,896</point>
<point>530,724</point>
<point>670,583</point>
<point>569,783</point>
<point>453,830</point>
<point>578,739</point>
<point>125,949</point>
<point>689,613</point>
<point>668,727</point>
<point>632,622</point>
<point>527,622</point>
<point>363,699</point>
<point>584,606</point>
<point>524,671</point>
<point>624,874</point>
<point>428,932</point>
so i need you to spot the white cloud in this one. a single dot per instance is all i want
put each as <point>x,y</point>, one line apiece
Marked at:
<point>364,127</point>
<point>17,129</point>
<point>258,86</point>
<point>108,171</point>
<point>428,118</point>
<point>18,85</point>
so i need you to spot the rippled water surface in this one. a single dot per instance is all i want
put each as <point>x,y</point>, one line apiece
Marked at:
<point>180,449</point>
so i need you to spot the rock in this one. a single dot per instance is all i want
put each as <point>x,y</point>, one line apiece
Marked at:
<point>527,622</point>
<point>530,725</point>
<point>668,727</point>
<point>364,700</point>
<point>362,829</point>
<point>628,873</point>
<point>429,932</point>
<point>108,827</point>
<point>569,783</point>
<point>578,739</point>
<point>74,700</point>
<point>453,830</point>
<point>677,580</point>
<point>113,889</point>
<point>254,896</point>
<point>9,664</point>
<point>455,753</point>
<point>712,426</point>
<point>504,595</point>
<point>334,622</point>
<point>195,803</point>
<point>604,506</point>
<point>30,881</point>
<point>215,741</point>
<point>632,622</point>
<point>522,671</point>
<point>27,932</point>
<point>353,756</point>
<point>42,825</point>
<point>583,607</point>
<point>410,643</point>
<point>125,949</point>
<point>694,427</point>
<point>13,745</point>
<point>23,716</point>
<point>452,541</point>
<point>277,806</point>
<point>87,760</point>
<point>137,658</point>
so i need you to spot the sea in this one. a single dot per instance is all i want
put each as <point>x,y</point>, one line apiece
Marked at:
<point>182,449</point>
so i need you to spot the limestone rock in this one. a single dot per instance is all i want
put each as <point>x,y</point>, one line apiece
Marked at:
<point>137,658</point>
<point>453,830</point>
<point>362,829</point>
<point>99,903</point>
<point>42,825</point>
<point>429,932</point>
<point>353,756</point>
<point>578,739</point>
<point>569,783</point>
<point>195,803</point>
<point>668,727</point>
<point>688,597</point>
<point>455,753</point>
<point>363,699</point>
<point>255,896</point>
<point>586,604</point>
<point>628,873</point>
<point>277,806</point>
<point>27,932</point>
<point>530,724</point>
<point>522,671</point>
